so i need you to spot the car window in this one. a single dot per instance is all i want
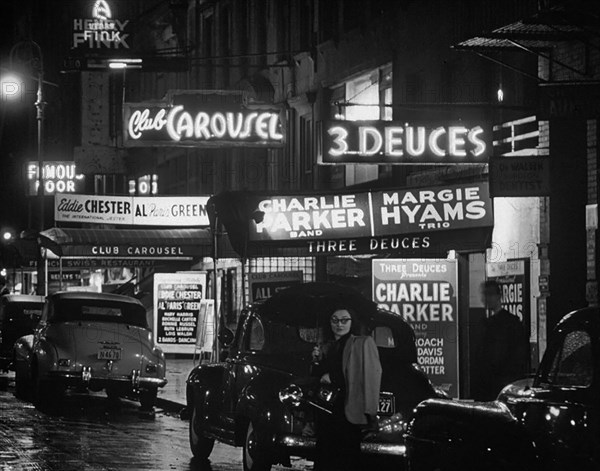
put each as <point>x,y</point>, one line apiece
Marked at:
<point>572,364</point>
<point>256,335</point>
<point>98,310</point>
<point>384,337</point>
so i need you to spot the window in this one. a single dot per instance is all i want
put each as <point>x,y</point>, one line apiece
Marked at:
<point>256,335</point>
<point>384,337</point>
<point>573,362</point>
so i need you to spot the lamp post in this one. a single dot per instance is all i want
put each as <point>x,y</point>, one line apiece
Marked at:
<point>40,105</point>
<point>37,59</point>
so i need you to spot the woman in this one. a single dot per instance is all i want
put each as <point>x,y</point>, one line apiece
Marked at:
<point>351,364</point>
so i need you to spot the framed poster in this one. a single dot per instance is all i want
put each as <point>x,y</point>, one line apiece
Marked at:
<point>177,305</point>
<point>424,293</point>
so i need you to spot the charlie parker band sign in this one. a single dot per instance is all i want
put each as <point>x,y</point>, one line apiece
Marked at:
<point>389,220</point>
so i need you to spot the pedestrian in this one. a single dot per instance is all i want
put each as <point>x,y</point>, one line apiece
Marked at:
<point>505,346</point>
<point>349,363</point>
<point>4,288</point>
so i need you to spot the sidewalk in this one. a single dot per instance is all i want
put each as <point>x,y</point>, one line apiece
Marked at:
<point>172,396</point>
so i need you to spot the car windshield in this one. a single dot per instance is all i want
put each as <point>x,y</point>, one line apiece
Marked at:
<point>98,310</point>
<point>23,310</point>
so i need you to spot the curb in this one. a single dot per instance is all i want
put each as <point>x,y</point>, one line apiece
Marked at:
<point>169,405</point>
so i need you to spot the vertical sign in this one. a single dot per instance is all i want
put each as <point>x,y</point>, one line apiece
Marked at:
<point>177,302</point>
<point>265,285</point>
<point>513,278</point>
<point>424,293</point>
<point>205,333</point>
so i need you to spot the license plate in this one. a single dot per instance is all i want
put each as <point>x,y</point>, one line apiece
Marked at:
<point>386,404</point>
<point>109,354</point>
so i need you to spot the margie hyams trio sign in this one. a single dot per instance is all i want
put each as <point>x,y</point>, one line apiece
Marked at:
<point>395,142</point>
<point>197,119</point>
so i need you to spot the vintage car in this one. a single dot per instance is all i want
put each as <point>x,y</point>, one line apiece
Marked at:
<point>549,422</point>
<point>19,314</point>
<point>254,399</point>
<point>89,341</point>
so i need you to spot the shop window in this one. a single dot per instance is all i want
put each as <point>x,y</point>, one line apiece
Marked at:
<point>573,362</point>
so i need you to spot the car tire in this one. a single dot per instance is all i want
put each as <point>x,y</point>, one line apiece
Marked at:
<point>22,385</point>
<point>200,445</point>
<point>148,398</point>
<point>46,394</point>
<point>255,455</point>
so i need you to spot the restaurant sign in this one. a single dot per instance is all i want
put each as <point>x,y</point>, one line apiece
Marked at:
<point>183,211</point>
<point>196,118</point>
<point>424,293</point>
<point>395,142</point>
<point>57,176</point>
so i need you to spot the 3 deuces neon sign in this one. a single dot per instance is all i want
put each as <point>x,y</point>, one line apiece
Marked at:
<point>390,142</point>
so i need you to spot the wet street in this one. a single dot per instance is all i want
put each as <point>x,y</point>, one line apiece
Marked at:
<point>89,433</point>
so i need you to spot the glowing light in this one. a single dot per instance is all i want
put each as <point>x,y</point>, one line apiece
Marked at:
<point>500,94</point>
<point>11,87</point>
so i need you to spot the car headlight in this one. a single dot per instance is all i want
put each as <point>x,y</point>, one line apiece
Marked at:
<point>291,394</point>
<point>151,368</point>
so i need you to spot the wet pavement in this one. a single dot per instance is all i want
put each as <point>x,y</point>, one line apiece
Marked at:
<point>89,432</point>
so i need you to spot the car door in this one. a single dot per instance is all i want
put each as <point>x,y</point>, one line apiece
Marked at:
<point>242,365</point>
<point>561,413</point>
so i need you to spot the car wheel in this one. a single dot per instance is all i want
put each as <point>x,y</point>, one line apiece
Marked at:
<point>46,394</point>
<point>255,456</point>
<point>148,398</point>
<point>22,384</point>
<point>200,445</point>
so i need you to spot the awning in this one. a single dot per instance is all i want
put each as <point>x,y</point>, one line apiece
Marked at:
<point>174,244</point>
<point>537,35</point>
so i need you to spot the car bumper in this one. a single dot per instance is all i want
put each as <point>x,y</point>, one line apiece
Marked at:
<point>70,378</point>
<point>303,444</point>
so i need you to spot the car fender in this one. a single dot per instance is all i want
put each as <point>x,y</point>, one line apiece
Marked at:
<point>204,387</point>
<point>259,403</point>
<point>23,350</point>
<point>45,357</point>
<point>478,435</point>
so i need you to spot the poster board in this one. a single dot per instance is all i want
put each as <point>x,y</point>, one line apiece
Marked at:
<point>205,331</point>
<point>177,305</point>
<point>266,284</point>
<point>424,292</point>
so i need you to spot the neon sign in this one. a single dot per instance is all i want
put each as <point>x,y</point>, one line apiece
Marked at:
<point>100,31</point>
<point>191,122</point>
<point>389,142</point>
<point>58,177</point>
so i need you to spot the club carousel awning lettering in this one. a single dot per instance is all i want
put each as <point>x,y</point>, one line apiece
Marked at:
<point>173,244</point>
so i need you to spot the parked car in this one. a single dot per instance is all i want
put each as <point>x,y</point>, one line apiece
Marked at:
<point>249,399</point>
<point>19,314</point>
<point>90,341</point>
<point>548,422</point>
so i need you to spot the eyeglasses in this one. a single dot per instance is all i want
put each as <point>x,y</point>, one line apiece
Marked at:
<point>343,320</point>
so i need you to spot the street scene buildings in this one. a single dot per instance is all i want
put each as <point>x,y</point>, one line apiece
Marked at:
<point>202,156</point>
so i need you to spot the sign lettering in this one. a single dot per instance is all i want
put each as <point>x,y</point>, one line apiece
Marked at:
<point>391,142</point>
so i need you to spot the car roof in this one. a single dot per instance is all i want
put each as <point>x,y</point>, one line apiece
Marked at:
<point>588,317</point>
<point>22,298</point>
<point>89,295</point>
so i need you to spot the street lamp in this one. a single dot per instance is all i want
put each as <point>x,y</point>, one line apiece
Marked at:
<point>10,89</point>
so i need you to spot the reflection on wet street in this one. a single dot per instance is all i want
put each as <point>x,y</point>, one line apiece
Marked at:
<point>93,433</point>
